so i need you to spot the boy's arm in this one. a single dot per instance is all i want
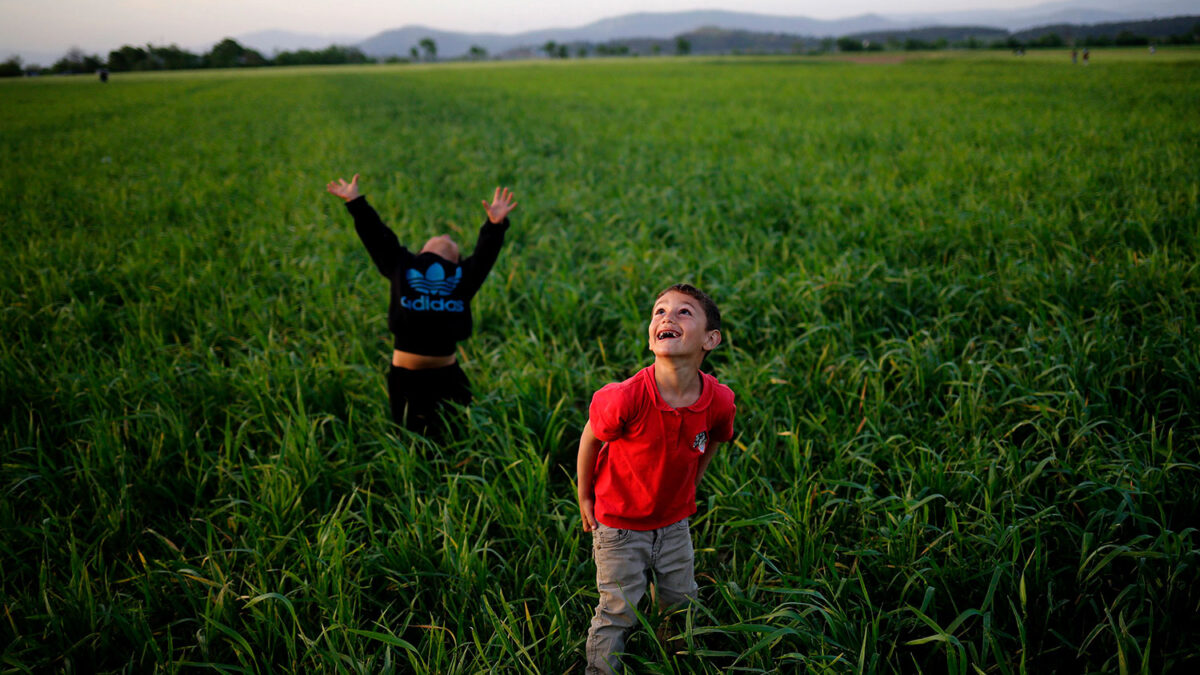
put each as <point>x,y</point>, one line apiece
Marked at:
<point>705,459</point>
<point>491,238</point>
<point>381,242</point>
<point>589,447</point>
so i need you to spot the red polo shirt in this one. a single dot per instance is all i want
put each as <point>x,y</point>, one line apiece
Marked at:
<point>645,476</point>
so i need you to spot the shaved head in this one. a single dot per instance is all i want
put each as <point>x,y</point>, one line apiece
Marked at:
<point>443,246</point>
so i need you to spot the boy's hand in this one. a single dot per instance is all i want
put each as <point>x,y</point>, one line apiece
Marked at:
<point>502,204</point>
<point>587,509</point>
<point>347,191</point>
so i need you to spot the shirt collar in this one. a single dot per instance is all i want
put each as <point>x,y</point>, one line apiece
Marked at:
<point>707,383</point>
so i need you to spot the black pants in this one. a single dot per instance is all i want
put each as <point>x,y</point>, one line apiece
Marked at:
<point>418,396</point>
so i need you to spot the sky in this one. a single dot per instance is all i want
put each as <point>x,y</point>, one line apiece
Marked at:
<point>41,27</point>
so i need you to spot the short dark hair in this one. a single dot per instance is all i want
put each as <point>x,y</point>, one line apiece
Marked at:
<point>712,315</point>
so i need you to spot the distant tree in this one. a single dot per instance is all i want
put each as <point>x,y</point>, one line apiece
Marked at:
<point>11,67</point>
<point>683,46</point>
<point>174,58</point>
<point>1048,40</point>
<point>555,50</point>
<point>581,52</point>
<point>416,55</point>
<point>429,47</point>
<point>1129,39</point>
<point>1185,38</point>
<point>1098,41</point>
<point>827,44</point>
<point>477,53</point>
<point>295,58</point>
<point>331,55</point>
<point>127,58</point>
<point>229,54</point>
<point>849,44</point>
<point>75,61</point>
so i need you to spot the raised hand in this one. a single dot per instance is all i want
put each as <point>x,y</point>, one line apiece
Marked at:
<point>502,204</point>
<point>341,188</point>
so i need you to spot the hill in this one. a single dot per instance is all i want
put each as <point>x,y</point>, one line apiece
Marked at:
<point>644,25</point>
<point>646,28</point>
<point>930,34</point>
<point>1155,28</point>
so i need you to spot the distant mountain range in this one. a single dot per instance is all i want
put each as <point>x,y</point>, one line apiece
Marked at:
<point>666,25</point>
<point>1058,12</point>
<point>629,26</point>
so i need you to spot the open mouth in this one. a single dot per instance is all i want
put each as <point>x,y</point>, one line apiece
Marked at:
<point>667,334</point>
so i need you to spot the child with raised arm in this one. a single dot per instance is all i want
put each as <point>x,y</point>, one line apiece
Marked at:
<point>643,452</point>
<point>430,308</point>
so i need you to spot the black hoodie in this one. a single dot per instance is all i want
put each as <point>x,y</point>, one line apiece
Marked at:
<point>430,308</point>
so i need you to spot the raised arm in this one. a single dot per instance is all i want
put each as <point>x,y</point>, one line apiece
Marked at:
<point>381,242</point>
<point>589,447</point>
<point>491,238</point>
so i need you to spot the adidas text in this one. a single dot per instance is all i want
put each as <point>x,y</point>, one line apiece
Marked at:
<point>425,303</point>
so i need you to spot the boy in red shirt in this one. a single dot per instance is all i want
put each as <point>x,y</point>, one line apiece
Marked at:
<point>643,451</point>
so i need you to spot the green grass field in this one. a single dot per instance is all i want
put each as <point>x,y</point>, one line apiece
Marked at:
<point>962,321</point>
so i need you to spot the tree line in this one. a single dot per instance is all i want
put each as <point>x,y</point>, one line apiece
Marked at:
<point>227,53</point>
<point>711,40</point>
<point>1181,30</point>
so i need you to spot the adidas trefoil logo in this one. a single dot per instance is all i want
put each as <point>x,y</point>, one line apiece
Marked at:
<point>434,281</point>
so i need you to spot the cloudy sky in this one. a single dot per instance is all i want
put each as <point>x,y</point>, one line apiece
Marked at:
<point>52,26</point>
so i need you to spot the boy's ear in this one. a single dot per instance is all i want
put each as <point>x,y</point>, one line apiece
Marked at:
<point>711,340</point>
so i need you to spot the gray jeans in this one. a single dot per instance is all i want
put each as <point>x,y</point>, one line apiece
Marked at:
<point>625,560</point>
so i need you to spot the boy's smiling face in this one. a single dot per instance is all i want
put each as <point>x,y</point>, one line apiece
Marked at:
<point>678,327</point>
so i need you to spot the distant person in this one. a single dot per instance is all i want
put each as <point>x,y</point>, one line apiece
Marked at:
<point>1151,49</point>
<point>1074,56</point>
<point>644,449</point>
<point>1086,54</point>
<point>430,308</point>
<point>103,75</point>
